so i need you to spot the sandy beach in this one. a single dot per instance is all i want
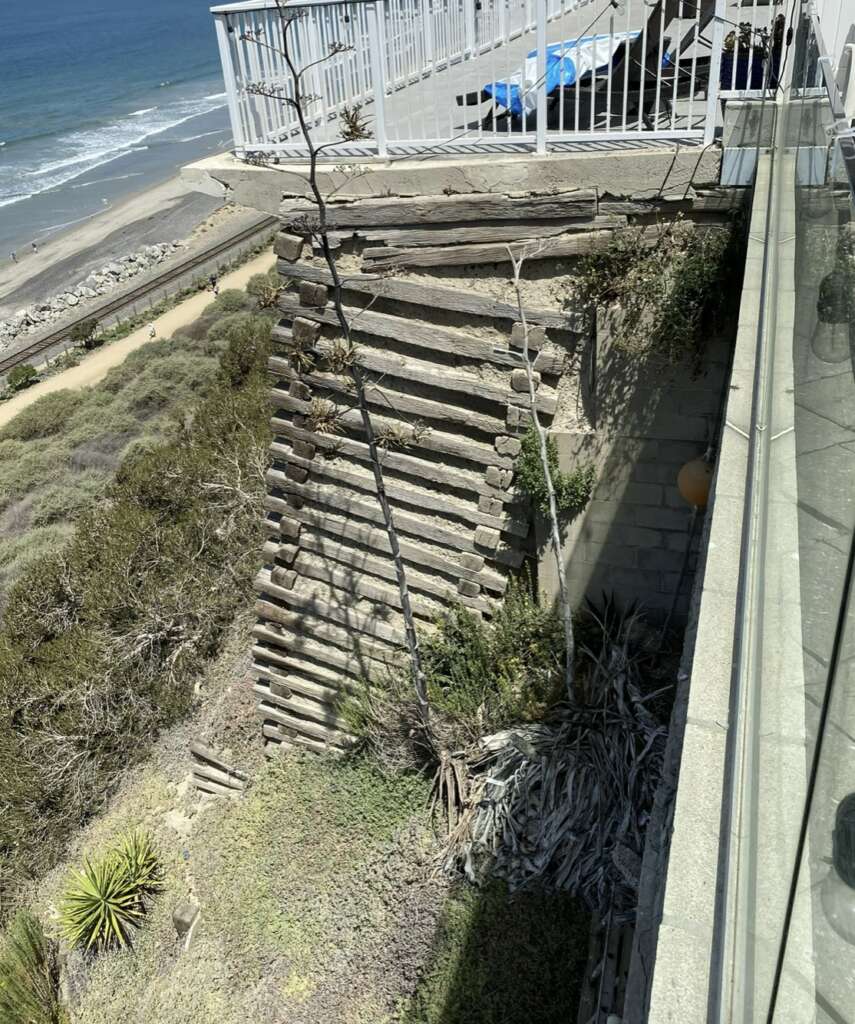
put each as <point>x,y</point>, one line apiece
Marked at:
<point>97,364</point>
<point>166,212</point>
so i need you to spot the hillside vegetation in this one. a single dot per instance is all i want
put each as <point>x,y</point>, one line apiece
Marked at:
<point>117,609</point>
<point>58,455</point>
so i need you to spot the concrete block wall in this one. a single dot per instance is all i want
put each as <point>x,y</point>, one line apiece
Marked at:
<point>647,419</point>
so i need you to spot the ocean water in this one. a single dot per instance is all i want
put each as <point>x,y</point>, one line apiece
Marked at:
<point>99,99</point>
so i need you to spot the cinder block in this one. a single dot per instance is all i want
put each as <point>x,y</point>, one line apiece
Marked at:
<point>289,528</point>
<point>468,588</point>
<point>492,506</point>
<point>297,473</point>
<point>616,555</point>
<point>536,337</point>
<point>493,476</point>
<point>312,294</point>
<point>298,389</point>
<point>660,560</point>
<point>519,380</point>
<point>294,500</point>
<point>642,494</point>
<point>474,563</point>
<point>661,518</point>
<point>283,577</point>
<point>288,247</point>
<point>280,690</point>
<point>303,449</point>
<point>486,538</point>
<point>287,553</point>
<point>507,445</point>
<point>305,332</point>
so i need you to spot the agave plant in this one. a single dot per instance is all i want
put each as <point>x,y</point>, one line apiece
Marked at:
<point>105,901</point>
<point>29,975</point>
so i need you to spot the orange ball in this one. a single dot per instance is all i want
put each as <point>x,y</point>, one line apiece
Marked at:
<point>694,481</point>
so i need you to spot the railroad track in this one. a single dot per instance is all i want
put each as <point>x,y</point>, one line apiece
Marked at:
<point>153,284</point>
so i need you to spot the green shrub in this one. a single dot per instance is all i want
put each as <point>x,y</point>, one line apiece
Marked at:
<point>668,295</point>
<point>47,416</point>
<point>105,901</point>
<point>573,490</point>
<point>232,300</point>
<point>29,975</point>
<point>489,676</point>
<point>83,333</point>
<point>101,642</point>
<point>481,677</point>
<point>265,288</point>
<point>21,376</point>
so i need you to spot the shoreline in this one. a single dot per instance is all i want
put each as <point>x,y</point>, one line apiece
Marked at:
<point>169,211</point>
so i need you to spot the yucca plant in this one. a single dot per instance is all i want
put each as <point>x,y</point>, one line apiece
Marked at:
<point>105,901</point>
<point>140,858</point>
<point>29,975</point>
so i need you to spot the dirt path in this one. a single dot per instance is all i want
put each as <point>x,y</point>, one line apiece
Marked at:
<point>97,365</point>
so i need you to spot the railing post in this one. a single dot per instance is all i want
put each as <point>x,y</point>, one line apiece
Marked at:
<point>427,30</point>
<point>540,28</point>
<point>715,70</point>
<point>377,49</point>
<point>469,15</point>
<point>221,26</point>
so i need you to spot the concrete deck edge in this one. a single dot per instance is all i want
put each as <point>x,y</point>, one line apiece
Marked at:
<point>650,172</point>
<point>673,956</point>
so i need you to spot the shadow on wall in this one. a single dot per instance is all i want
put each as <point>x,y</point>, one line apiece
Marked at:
<point>650,417</point>
<point>504,959</point>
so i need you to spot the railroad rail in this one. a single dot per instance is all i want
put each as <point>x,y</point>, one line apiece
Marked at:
<point>128,298</point>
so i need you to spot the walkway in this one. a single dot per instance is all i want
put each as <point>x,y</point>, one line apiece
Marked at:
<point>97,365</point>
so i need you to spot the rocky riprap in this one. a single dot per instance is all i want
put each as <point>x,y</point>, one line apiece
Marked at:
<point>99,282</point>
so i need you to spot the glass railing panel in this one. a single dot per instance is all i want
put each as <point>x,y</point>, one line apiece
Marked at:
<point>786,931</point>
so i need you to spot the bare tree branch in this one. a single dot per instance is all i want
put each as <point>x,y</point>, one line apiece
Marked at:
<point>517,263</point>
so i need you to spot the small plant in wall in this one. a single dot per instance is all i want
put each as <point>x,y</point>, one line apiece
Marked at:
<point>664,288</point>
<point>573,489</point>
<point>106,900</point>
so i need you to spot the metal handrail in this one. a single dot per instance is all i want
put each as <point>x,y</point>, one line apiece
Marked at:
<point>270,5</point>
<point>480,47</point>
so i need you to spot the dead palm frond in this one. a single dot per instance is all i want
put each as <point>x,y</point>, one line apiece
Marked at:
<point>566,803</point>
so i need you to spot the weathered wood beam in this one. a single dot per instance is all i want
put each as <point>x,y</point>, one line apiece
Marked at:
<point>320,603</point>
<point>475,206</point>
<point>412,332</point>
<point>400,462</point>
<point>355,558</point>
<point>296,649</point>
<point>416,526</point>
<point>433,297</point>
<point>421,371</point>
<point>303,725</point>
<point>299,623</point>
<point>420,498</point>
<point>434,440</point>
<point>468,233</point>
<point>391,399</point>
<point>449,563</point>
<point>387,257</point>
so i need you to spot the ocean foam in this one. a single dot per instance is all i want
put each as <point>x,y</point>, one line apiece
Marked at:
<point>95,147</point>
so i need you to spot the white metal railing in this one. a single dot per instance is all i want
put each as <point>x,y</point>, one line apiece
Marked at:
<point>451,76</point>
